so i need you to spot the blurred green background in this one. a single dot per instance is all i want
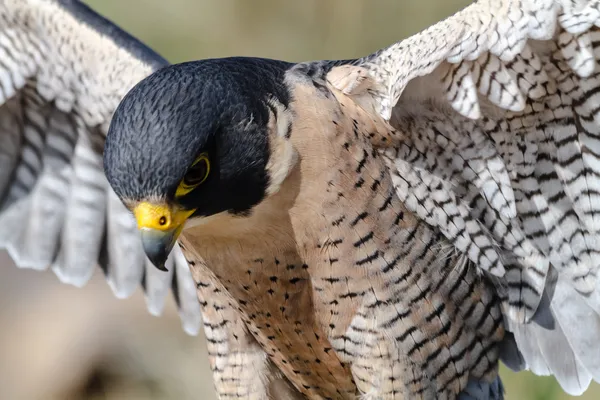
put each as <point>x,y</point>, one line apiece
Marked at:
<point>59,342</point>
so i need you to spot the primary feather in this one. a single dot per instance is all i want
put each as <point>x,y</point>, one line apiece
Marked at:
<point>64,70</point>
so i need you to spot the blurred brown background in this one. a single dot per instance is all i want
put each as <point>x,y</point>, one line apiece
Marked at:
<point>59,342</point>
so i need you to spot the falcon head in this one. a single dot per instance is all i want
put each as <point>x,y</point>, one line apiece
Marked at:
<point>191,141</point>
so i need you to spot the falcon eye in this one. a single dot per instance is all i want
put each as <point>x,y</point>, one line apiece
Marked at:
<point>196,174</point>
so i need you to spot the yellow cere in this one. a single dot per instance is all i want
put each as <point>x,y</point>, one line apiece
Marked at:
<point>159,216</point>
<point>196,175</point>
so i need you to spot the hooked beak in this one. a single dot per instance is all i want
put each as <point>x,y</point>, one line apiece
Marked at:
<point>158,245</point>
<point>160,226</point>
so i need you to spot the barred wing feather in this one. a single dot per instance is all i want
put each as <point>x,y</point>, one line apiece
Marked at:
<point>63,71</point>
<point>496,112</point>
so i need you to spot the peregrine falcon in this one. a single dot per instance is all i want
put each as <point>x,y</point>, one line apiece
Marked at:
<point>389,227</point>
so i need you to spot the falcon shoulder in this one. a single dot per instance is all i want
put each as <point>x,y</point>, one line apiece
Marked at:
<point>63,71</point>
<point>494,140</point>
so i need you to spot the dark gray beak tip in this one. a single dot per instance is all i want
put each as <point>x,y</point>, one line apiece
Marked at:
<point>161,267</point>
<point>157,246</point>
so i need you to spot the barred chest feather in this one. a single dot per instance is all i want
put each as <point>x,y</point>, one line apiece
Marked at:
<point>340,285</point>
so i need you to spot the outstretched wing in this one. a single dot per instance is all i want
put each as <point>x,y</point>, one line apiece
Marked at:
<point>63,71</point>
<point>497,144</point>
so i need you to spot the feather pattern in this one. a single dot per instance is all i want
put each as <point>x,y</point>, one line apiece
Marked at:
<point>495,141</point>
<point>490,142</point>
<point>56,208</point>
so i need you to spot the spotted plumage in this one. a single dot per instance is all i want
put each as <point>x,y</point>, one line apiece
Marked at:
<point>390,227</point>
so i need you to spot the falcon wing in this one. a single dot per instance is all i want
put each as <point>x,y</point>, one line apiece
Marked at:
<point>496,112</point>
<point>63,71</point>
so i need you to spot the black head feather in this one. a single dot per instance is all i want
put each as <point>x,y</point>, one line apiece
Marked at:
<point>219,106</point>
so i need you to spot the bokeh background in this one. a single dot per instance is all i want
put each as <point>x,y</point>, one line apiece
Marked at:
<point>59,342</point>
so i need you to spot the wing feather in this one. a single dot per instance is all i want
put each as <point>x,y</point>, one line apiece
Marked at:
<point>497,144</point>
<point>63,71</point>
<point>124,248</point>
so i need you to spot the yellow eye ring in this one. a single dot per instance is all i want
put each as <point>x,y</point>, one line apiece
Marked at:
<point>196,175</point>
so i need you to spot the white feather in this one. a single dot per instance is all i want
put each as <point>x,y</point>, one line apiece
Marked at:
<point>61,79</point>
